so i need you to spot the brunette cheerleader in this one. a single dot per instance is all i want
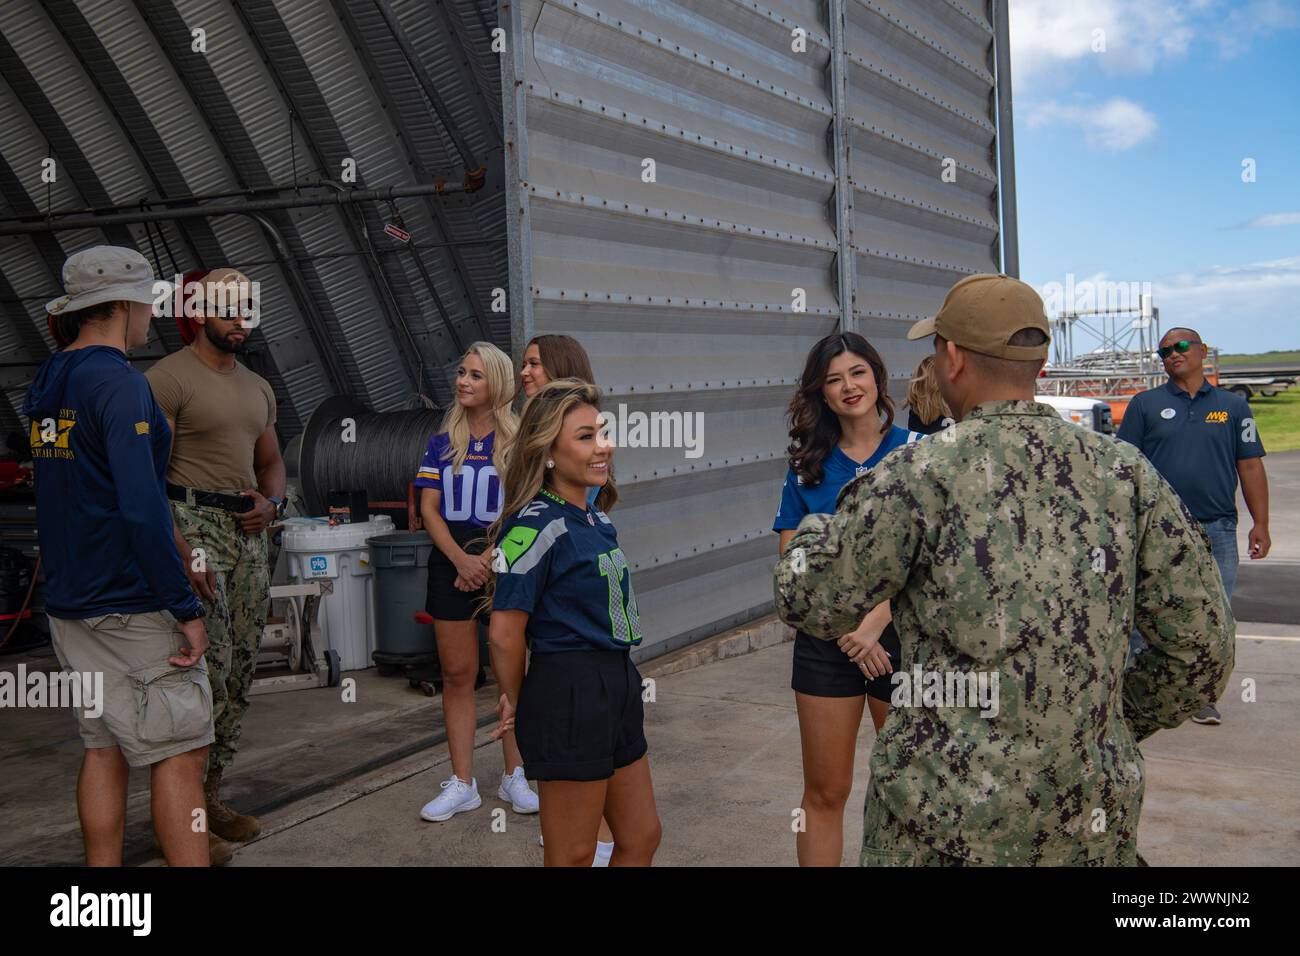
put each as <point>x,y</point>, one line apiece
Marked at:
<point>841,425</point>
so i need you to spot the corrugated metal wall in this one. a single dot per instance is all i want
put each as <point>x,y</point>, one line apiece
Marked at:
<point>682,288</point>
<point>776,169</point>
<point>119,95</point>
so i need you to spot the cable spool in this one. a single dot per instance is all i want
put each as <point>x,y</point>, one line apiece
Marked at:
<point>382,460</point>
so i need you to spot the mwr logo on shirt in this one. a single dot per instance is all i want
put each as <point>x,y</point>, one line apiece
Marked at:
<point>1220,418</point>
<point>142,428</point>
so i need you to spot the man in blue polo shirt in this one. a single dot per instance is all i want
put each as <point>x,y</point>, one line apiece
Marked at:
<point>1202,439</point>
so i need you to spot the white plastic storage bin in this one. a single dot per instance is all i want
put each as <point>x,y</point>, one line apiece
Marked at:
<point>315,551</point>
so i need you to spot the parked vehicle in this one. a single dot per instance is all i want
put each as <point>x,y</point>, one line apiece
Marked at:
<point>1250,384</point>
<point>1090,413</point>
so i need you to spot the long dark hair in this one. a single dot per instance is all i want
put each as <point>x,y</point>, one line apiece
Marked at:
<point>814,428</point>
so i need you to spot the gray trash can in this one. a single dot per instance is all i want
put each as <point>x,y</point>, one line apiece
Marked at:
<point>401,564</point>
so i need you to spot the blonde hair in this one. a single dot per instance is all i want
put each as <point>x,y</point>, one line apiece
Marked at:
<point>526,473</point>
<point>500,373</point>
<point>923,393</point>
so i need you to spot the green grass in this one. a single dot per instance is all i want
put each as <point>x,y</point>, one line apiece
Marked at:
<point>1278,419</point>
<point>1263,358</point>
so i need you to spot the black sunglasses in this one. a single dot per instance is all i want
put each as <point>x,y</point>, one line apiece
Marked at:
<point>1180,347</point>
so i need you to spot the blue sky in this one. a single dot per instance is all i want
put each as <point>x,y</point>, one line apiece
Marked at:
<point>1129,159</point>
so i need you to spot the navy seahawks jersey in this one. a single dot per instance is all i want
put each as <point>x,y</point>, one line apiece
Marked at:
<point>798,500</point>
<point>562,564</point>
<point>472,495</point>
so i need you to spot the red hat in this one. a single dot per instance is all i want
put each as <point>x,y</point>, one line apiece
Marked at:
<point>55,327</point>
<point>188,328</point>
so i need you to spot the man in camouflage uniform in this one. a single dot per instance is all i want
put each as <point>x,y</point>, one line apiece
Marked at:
<point>226,480</point>
<point>1024,548</point>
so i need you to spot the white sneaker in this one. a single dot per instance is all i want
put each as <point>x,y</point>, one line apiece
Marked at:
<point>603,852</point>
<point>456,796</point>
<point>515,791</point>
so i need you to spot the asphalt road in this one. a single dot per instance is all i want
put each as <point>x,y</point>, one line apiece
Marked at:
<point>1268,591</point>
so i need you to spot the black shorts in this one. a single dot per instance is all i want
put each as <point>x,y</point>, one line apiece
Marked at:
<point>821,669</point>
<point>580,715</point>
<point>442,599</point>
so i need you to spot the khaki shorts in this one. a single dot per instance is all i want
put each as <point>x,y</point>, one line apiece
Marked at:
<point>151,709</point>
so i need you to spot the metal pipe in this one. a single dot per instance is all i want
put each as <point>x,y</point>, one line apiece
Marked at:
<point>1006,140</point>
<point>11,228</point>
<point>177,198</point>
<point>519,229</point>
<point>846,263</point>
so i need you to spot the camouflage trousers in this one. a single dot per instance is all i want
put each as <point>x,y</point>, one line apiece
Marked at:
<point>887,842</point>
<point>234,623</point>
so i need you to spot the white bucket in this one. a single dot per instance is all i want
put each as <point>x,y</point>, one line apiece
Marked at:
<point>317,552</point>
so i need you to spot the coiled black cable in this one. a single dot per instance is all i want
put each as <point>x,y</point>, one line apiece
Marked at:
<point>346,448</point>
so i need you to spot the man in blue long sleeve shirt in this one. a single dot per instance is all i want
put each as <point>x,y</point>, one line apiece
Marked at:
<point>117,597</point>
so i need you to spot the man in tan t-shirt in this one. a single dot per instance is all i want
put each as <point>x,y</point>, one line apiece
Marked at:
<point>226,481</point>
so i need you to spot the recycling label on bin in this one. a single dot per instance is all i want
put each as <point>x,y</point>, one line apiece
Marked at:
<point>320,566</point>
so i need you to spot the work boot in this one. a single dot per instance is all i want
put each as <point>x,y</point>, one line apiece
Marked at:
<point>222,820</point>
<point>219,851</point>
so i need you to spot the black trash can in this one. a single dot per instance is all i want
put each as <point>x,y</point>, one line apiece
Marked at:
<point>401,563</point>
<point>402,644</point>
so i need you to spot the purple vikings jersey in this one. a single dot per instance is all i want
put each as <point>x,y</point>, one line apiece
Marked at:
<point>471,495</point>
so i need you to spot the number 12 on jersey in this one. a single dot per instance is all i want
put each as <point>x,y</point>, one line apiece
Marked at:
<point>625,623</point>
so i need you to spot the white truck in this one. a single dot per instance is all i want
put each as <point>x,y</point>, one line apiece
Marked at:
<point>1090,413</point>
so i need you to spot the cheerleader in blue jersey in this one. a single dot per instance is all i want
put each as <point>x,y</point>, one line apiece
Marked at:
<point>460,496</point>
<point>548,357</point>
<point>562,585</point>
<point>841,425</point>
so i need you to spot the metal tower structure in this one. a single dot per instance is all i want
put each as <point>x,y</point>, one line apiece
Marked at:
<point>1105,353</point>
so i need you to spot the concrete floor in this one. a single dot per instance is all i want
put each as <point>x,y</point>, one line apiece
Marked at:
<point>725,757</point>
<point>1267,589</point>
<point>293,744</point>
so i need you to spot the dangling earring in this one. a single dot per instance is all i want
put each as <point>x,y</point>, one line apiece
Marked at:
<point>550,463</point>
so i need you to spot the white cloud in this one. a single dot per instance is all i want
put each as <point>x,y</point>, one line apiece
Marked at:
<point>1245,308</point>
<point>1137,34</point>
<point>1115,125</point>
<point>1123,36</point>
<point>1274,219</point>
<point>1242,25</point>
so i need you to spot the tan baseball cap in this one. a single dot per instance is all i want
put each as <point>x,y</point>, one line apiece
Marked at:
<point>229,289</point>
<point>981,312</point>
